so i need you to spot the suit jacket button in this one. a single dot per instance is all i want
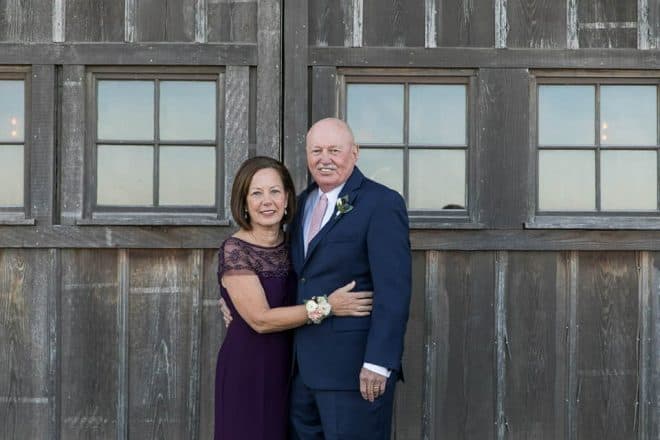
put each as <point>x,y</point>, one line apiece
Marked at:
<point>302,280</point>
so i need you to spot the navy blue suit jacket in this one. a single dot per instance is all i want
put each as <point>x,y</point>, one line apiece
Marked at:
<point>369,244</point>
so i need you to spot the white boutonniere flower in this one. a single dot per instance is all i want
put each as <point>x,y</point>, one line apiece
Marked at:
<point>343,206</point>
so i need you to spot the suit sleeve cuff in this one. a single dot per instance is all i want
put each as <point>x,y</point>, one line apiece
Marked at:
<point>377,369</point>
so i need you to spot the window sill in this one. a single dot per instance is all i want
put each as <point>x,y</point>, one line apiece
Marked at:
<point>118,219</point>
<point>443,222</point>
<point>16,220</point>
<point>593,222</point>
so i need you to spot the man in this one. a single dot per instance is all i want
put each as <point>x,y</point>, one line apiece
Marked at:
<point>346,367</point>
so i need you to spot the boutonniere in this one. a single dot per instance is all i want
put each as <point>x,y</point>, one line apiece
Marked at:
<point>343,206</point>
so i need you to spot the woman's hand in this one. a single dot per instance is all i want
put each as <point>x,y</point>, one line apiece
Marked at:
<point>347,303</point>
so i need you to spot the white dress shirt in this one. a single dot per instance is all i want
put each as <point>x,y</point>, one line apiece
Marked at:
<point>332,196</point>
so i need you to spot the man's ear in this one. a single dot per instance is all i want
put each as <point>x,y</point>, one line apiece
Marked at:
<point>356,151</point>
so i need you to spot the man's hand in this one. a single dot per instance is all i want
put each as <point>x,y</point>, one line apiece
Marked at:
<point>372,385</point>
<point>226,314</point>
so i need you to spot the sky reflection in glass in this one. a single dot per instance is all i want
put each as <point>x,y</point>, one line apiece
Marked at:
<point>125,110</point>
<point>11,175</point>
<point>187,110</point>
<point>12,111</point>
<point>437,114</point>
<point>566,115</point>
<point>383,166</point>
<point>628,180</point>
<point>567,180</point>
<point>437,179</point>
<point>187,176</point>
<point>628,115</point>
<point>125,175</point>
<point>375,113</point>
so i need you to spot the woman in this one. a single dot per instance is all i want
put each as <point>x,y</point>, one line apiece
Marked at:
<point>258,285</point>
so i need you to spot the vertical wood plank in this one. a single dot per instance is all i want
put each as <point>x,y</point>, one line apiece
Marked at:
<point>90,358</point>
<point>295,90</point>
<point>644,342</point>
<point>42,144</point>
<point>26,20</point>
<point>25,381</point>
<point>501,23</point>
<point>357,30</point>
<point>436,339</point>
<point>72,149</point>
<point>573,390</point>
<point>59,17</point>
<point>197,268</point>
<point>572,41</point>
<point>129,20</point>
<point>54,272</point>
<point>237,102</point>
<point>123,385</point>
<point>608,319</point>
<point>100,20</point>
<point>328,22</point>
<point>467,23</point>
<point>653,394</point>
<point>394,23</point>
<point>325,91</point>
<point>431,20</point>
<point>232,20</point>
<point>502,346</point>
<point>269,79</point>
<point>165,20</point>
<point>607,23</point>
<point>201,13</point>
<point>536,23</point>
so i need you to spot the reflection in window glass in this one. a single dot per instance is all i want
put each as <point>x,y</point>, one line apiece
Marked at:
<point>567,180</point>
<point>566,115</point>
<point>125,110</point>
<point>437,114</point>
<point>384,166</point>
<point>187,176</point>
<point>12,111</point>
<point>437,179</point>
<point>11,175</point>
<point>375,113</point>
<point>125,175</point>
<point>628,180</point>
<point>628,115</point>
<point>187,110</point>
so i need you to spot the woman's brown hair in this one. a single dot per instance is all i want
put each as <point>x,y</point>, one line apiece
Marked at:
<point>241,186</point>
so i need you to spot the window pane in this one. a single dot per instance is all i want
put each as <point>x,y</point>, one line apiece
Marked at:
<point>567,181</point>
<point>437,114</point>
<point>383,166</point>
<point>566,115</point>
<point>126,110</point>
<point>375,113</point>
<point>628,115</point>
<point>187,176</point>
<point>187,110</point>
<point>437,179</point>
<point>11,175</point>
<point>628,180</point>
<point>125,175</point>
<point>12,111</point>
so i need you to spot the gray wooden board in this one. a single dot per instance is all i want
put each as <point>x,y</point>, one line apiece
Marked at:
<point>232,21</point>
<point>654,24</point>
<point>325,89</point>
<point>237,103</point>
<point>269,80</point>
<point>466,23</point>
<point>327,23</point>
<point>610,14</point>
<point>159,362</point>
<point>408,404</point>
<point>396,23</point>
<point>89,343</point>
<point>503,135</point>
<point>24,344</point>
<point>653,391</point>
<point>536,346</point>
<point>611,38</point>
<point>99,20</point>
<point>536,23</point>
<point>603,11</point>
<point>165,20</point>
<point>465,393</point>
<point>26,20</point>
<point>607,345</point>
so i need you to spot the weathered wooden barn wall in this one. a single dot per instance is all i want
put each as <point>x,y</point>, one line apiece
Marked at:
<point>109,328</point>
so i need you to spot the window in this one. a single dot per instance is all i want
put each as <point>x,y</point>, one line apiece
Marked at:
<point>12,143</point>
<point>597,145</point>
<point>414,137</point>
<point>156,143</point>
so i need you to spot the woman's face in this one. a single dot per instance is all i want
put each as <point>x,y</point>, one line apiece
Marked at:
<point>266,198</point>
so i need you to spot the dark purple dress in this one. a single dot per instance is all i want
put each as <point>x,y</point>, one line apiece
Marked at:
<point>253,370</point>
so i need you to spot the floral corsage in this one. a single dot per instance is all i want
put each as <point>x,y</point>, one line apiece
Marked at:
<point>318,308</point>
<point>343,206</point>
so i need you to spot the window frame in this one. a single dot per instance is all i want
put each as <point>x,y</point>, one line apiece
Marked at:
<point>426,219</point>
<point>126,214</point>
<point>597,219</point>
<point>17,215</point>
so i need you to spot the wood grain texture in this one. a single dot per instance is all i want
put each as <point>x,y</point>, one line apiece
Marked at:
<point>536,23</point>
<point>653,389</point>
<point>237,104</point>
<point>165,20</point>
<point>100,20</point>
<point>325,92</point>
<point>394,23</point>
<point>466,23</point>
<point>24,344</point>
<point>607,312</point>
<point>26,20</point>
<point>234,21</point>
<point>159,359</point>
<point>89,343</point>
<point>269,79</point>
<point>611,17</point>
<point>329,21</point>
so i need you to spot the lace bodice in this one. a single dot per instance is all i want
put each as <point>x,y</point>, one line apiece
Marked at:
<point>240,257</point>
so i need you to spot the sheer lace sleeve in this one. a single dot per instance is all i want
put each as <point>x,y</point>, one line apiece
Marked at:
<point>234,259</point>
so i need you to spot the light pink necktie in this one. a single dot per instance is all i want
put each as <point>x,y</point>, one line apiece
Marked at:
<point>317,217</point>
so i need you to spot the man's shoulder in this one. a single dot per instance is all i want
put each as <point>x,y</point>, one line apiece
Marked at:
<point>379,192</point>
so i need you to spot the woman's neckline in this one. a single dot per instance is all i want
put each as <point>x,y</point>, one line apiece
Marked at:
<point>258,245</point>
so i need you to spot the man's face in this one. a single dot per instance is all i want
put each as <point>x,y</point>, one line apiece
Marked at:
<point>331,154</point>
